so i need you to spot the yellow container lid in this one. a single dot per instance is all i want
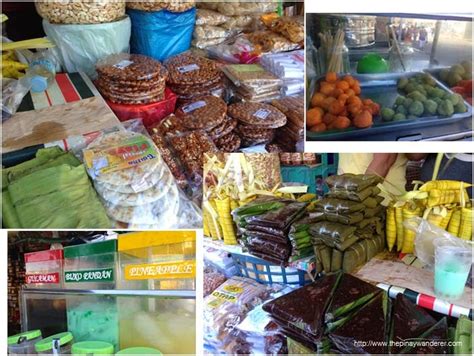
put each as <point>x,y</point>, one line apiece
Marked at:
<point>145,239</point>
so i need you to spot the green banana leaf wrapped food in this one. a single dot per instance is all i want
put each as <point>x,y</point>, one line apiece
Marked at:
<point>51,191</point>
<point>353,182</point>
<point>365,331</point>
<point>354,256</point>
<point>338,206</point>
<point>351,293</point>
<point>408,322</point>
<point>374,246</point>
<point>357,196</point>
<point>463,336</point>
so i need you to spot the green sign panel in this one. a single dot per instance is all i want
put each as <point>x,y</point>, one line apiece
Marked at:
<point>93,275</point>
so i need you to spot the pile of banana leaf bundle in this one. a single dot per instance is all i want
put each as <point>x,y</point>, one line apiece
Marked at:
<point>264,226</point>
<point>339,313</point>
<point>350,227</point>
<point>51,191</point>
<point>444,203</point>
<point>231,181</point>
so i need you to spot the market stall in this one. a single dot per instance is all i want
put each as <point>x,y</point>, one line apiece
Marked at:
<point>127,97</point>
<point>101,292</point>
<point>389,77</point>
<point>350,268</point>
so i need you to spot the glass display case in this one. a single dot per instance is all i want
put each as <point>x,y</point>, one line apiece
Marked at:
<point>159,319</point>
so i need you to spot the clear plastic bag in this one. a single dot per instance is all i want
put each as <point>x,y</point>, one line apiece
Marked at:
<point>237,8</point>
<point>212,280</point>
<point>13,93</point>
<point>209,17</point>
<point>135,184</point>
<point>81,12</point>
<point>170,5</point>
<point>426,234</point>
<point>207,32</point>
<point>291,28</point>
<point>227,306</point>
<point>81,46</point>
<point>203,44</point>
<point>271,42</point>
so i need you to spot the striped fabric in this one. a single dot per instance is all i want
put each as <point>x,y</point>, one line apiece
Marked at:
<point>67,88</point>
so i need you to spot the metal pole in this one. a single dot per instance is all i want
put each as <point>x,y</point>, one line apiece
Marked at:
<point>435,42</point>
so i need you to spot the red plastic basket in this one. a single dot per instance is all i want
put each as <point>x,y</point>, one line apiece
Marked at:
<point>150,114</point>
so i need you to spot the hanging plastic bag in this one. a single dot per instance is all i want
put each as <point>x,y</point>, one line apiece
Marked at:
<point>81,46</point>
<point>161,34</point>
<point>426,234</point>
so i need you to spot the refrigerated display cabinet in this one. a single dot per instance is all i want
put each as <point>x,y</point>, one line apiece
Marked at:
<point>159,319</point>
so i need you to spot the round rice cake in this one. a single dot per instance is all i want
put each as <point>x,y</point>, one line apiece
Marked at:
<point>134,199</point>
<point>257,114</point>
<point>127,176</point>
<point>136,187</point>
<point>203,113</point>
<point>154,213</point>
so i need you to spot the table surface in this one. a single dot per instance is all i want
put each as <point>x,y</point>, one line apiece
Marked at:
<point>54,123</point>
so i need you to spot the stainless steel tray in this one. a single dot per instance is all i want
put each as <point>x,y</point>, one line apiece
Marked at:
<point>382,88</point>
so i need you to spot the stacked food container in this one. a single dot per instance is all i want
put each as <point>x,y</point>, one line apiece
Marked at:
<point>92,266</point>
<point>44,269</point>
<point>158,261</point>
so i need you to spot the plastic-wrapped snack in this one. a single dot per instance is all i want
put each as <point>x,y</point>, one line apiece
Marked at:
<point>267,166</point>
<point>133,181</point>
<point>271,42</point>
<point>189,69</point>
<point>170,5</point>
<point>237,8</point>
<point>209,17</point>
<point>228,305</point>
<point>131,79</point>
<point>242,22</point>
<point>251,76</point>
<point>206,32</point>
<point>190,147</point>
<point>257,115</point>
<point>212,280</point>
<point>80,12</point>
<point>291,28</point>
<point>204,113</point>
<point>205,43</point>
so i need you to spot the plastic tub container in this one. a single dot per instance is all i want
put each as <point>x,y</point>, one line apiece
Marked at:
<point>157,260</point>
<point>92,348</point>
<point>151,114</point>
<point>58,344</point>
<point>44,269</point>
<point>452,266</point>
<point>90,266</point>
<point>24,343</point>
<point>139,351</point>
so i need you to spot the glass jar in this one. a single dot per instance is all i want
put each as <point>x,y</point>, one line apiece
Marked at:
<point>92,348</point>
<point>139,351</point>
<point>406,52</point>
<point>58,344</point>
<point>336,60</point>
<point>24,343</point>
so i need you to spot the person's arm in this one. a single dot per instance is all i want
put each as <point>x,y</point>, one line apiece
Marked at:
<point>381,163</point>
<point>416,156</point>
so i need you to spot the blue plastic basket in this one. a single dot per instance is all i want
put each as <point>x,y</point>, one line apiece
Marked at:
<point>266,273</point>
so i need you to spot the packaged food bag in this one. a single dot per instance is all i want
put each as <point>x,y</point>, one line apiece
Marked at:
<point>161,34</point>
<point>79,47</point>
